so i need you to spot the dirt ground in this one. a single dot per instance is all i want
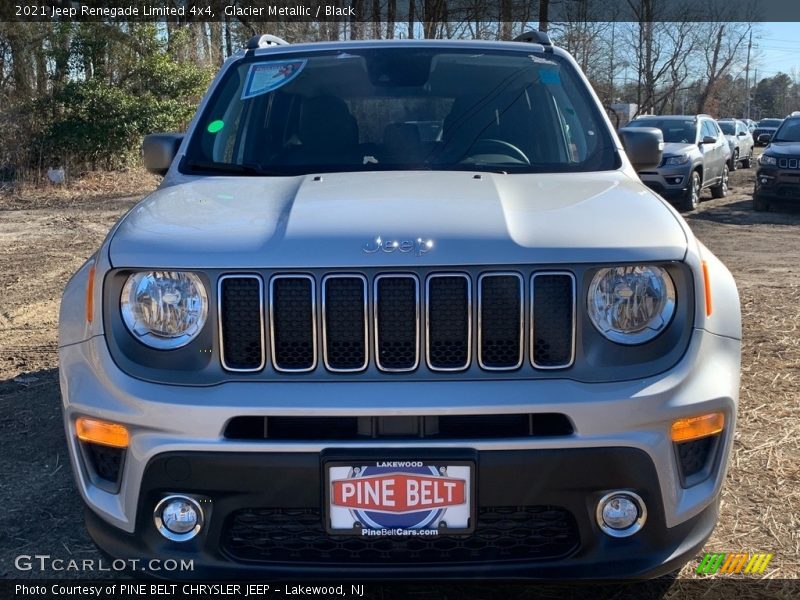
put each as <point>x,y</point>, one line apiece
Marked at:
<point>42,243</point>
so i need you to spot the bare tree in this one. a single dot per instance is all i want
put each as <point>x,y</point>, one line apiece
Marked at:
<point>721,44</point>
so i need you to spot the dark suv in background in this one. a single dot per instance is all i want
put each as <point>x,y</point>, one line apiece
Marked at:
<point>778,175</point>
<point>696,156</point>
<point>764,131</point>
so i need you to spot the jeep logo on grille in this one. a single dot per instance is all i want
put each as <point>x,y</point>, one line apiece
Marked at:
<point>418,246</point>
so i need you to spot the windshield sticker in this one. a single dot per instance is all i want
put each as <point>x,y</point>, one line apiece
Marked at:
<point>215,126</point>
<point>263,78</point>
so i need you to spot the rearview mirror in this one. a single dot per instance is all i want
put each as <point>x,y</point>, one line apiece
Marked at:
<point>159,150</point>
<point>643,145</point>
<point>709,139</point>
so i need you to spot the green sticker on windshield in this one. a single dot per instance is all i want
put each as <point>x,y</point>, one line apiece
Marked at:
<point>215,126</point>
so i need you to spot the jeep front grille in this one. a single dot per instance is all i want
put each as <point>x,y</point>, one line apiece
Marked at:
<point>449,319</point>
<point>397,322</point>
<point>344,323</point>
<point>241,302</point>
<point>292,317</point>
<point>388,321</point>
<point>500,305</point>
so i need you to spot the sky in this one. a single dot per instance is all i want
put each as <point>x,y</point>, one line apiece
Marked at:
<point>777,48</point>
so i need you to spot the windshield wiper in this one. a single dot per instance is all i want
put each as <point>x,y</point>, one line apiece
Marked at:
<point>231,168</point>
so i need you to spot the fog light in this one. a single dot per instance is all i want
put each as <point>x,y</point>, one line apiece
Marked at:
<point>178,518</point>
<point>675,180</point>
<point>621,514</point>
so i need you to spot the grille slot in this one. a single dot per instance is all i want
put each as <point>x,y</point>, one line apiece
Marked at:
<point>448,321</point>
<point>397,322</point>
<point>241,323</point>
<point>292,323</point>
<point>433,427</point>
<point>553,320</point>
<point>344,317</point>
<point>502,533</point>
<point>500,298</point>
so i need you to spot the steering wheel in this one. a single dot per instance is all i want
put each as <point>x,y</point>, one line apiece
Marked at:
<point>486,144</point>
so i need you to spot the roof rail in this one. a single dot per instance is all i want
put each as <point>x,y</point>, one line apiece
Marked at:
<point>265,40</point>
<point>534,37</point>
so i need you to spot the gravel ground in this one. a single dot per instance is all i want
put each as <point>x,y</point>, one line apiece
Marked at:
<point>42,243</point>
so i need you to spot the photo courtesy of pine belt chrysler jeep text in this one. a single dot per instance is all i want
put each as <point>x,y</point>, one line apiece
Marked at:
<point>402,309</point>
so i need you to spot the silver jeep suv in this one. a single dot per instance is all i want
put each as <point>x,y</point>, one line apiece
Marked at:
<point>402,309</point>
<point>696,156</point>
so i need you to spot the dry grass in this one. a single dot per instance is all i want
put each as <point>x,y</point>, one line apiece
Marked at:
<point>85,187</point>
<point>761,499</point>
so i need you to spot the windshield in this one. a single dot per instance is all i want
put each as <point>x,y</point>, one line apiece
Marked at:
<point>400,108</point>
<point>769,122</point>
<point>728,128</point>
<point>677,131</point>
<point>788,132</point>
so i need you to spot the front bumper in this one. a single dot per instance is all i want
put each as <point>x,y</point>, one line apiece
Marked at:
<point>266,521</point>
<point>669,182</point>
<point>773,183</point>
<point>620,441</point>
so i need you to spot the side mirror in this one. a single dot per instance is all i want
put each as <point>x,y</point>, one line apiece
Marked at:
<point>709,139</point>
<point>741,134</point>
<point>158,151</point>
<point>643,145</point>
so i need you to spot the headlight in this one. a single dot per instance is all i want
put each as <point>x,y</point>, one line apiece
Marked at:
<point>676,160</point>
<point>164,309</point>
<point>631,305</point>
<point>768,160</point>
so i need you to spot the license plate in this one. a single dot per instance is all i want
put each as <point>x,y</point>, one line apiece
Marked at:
<point>399,497</point>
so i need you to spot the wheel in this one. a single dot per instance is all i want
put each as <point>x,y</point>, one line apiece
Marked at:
<point>747,162</point>
<point>692,196</point>
<point>759,204</point>
<point>721,189</point>
<point>734,162</point>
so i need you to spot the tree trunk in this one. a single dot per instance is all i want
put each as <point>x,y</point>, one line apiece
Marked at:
<point>391,16</point>
<point>544,15</point>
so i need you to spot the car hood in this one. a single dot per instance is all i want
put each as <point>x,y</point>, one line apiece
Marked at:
<point>784,148</point>
<point>676,149</point>
<point>469,218</point>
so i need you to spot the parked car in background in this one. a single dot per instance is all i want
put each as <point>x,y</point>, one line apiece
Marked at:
<point>740,142</point>
<point>751,125</point>
<point>765,129</point>
<point>696,156</point>
<point>778,175</point>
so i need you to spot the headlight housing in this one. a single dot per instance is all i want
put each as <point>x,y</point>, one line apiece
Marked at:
<point>631,304</point>
<point>681,159</point>
<point>768,160</point>
<point>164,309</point>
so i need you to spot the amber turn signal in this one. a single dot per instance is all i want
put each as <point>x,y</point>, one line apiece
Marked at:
<point>101,432</point>
<point>707,288</point>
<point>684,430</point>
<point>90,295</point>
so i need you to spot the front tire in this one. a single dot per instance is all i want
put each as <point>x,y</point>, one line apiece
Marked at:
<point>748,162</point>
<point>691,198</point>
<point>721,189</point>
<point>734,162</point>
<point>759,204</point>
